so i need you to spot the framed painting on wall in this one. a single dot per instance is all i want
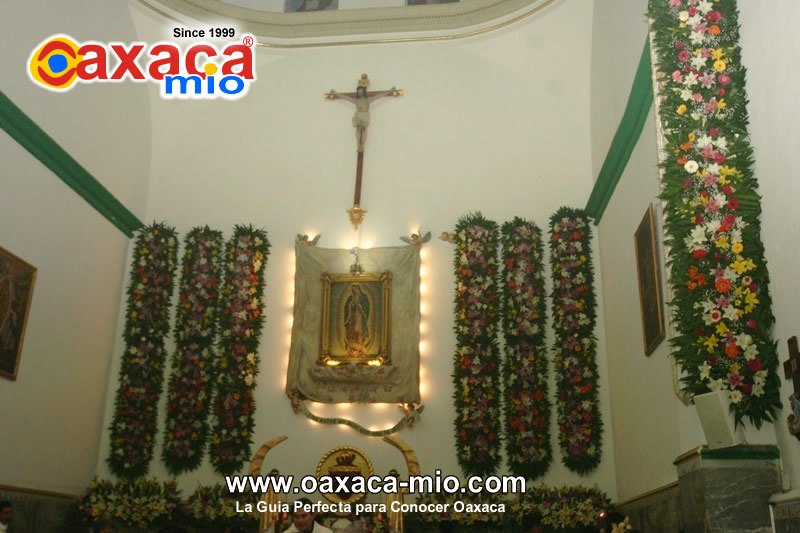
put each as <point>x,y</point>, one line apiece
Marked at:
<point>16,289</point>
<point>355,318</point>
<point>649,275</point>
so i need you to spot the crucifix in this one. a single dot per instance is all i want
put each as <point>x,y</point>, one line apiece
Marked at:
<point>362,99</point>
<point>791,370</point>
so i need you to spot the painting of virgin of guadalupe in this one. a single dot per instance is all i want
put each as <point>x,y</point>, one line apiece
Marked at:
<point>355,321</point>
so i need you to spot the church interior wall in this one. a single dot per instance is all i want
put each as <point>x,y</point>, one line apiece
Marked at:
<point>478,128</point>
<point>52,415</point>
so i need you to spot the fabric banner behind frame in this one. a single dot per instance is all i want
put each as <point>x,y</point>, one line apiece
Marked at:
<point>396,382</point>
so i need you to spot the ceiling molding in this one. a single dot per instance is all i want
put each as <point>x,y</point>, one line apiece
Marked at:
<point>353,26</point>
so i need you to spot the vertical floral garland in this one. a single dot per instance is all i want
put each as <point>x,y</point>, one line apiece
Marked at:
<point>476,371</point>
<point>527,419</point>
<point>721,303</point>
<point>240,324</point>
<point>579,424</point>
<point>133,428</point>
<point>190,386</point>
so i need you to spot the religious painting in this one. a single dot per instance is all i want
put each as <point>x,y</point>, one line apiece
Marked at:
<point>299,6</point>
<point>356,318</point>
<point>16,289</point>
<point>649,275</point>
<point>342,464</point>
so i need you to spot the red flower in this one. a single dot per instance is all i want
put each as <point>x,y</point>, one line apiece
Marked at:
<point>712,361</point>
<point>754,365</point>
<point>727,189</point>
<point>699,219</point>
<point>699,254</point>
<point>731,350</point>
<point>714,16</point>
<point>746,388</point>
<point>723,285</point>
<point>713,131</point>
<point>751,324</point>
<point>733,203</point>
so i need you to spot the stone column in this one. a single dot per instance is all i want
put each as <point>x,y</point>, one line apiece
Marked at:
<point>728,489</point>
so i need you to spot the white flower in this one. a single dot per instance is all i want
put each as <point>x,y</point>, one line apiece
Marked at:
<point>695,116</point>
<point>698,62</point>
<point>708,306</point>
<point>736,235</point>
<point>697,37</point>
<point>721,143</point>
<point>702,142</point>
<point>683,16</point>
<point>704,7</point>
<point>731,274</point>
<point>716,384</point>
<point>758,389</point>
<point>721,199</point>
<point>736,396</point>
<point>744,340</point>
<point>691,166</point>
<point>731,313</point>
<point>713,168</point>
<point>705,371</point>
<point>698,235</point>
<point>690,79</point>
<point>694,20</point>
<point>750,352</point>
<point>686,94</point>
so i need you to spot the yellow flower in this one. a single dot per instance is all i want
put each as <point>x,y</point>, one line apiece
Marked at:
<point>722,328</point>
<point>722,242</point>
<point>751,300</point>
<point>717,54</point>
<point>722,104</point>
<point>681,109</point>
<point>711,343</point>
<point>704,200</point>
<point>692,137</point>
<point>737,248</point>
<point>720,65</point>
<point>743,265</point>
<point>735,368</point>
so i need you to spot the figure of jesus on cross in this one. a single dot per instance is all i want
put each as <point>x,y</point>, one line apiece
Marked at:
<point>362,99</point>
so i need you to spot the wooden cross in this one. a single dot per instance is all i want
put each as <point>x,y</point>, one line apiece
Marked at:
<point>791,367</point>
<point>362,99</point>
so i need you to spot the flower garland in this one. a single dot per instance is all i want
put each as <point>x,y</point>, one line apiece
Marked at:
<point>562,507</point>
<point>527,420</point>
<point>133,428</point>
<point>476,373</point>
<point>137,503</point>
<point>190,386</point>
<point>579,422</point>
<point>719,279</point>
<point>241,320</point>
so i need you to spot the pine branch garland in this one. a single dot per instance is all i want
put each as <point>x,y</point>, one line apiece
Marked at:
<point>527,403</point>
<point>133,428</point>
<point>579,422</point>
<point>476,372</point>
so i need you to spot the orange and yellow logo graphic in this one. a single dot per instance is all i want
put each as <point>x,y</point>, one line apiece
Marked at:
<point>54,63</point>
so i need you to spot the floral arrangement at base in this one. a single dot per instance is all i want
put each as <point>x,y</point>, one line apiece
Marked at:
<point>191,383</point>
<point>214,509</point>
<point>241,319</point>
<point>579,423</point>
<point>137,503</point>
<point>527,407</point>
<point>561,508</point>
<point>721,306</point>
<point>133,428</point>
<point>476,373</point>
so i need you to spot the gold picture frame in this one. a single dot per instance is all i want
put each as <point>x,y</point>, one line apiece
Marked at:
<point>17,278</point>
<point>356,319</point>
<point>649,275</point>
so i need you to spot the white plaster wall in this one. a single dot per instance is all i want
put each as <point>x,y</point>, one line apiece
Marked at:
<point>51,416</point>
<point>770,47</point>
<point>641,386</point>
<point>479,128</point>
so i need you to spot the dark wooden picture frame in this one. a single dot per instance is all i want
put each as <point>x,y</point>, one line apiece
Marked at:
<point>17,278</point>
<point>649,275</point>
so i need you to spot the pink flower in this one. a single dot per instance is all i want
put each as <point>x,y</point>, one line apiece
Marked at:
<point>705,52</point>
<point>697,97</point>
<point>707,80</point>
<point>711,105</point>
<point>675,3</point>
<point>677,77</point>
<point>712,206</point>
<point>692,11</point>
<point>679,45</point>
<point>713,131</point>
<point>734,380</point>
<point>684,55</point>
<point>719,158</point>
<point>721,92</point>
<point>707,152</point>
<point>723,79</point>
<point>711,179</point>
<point>729,220</point>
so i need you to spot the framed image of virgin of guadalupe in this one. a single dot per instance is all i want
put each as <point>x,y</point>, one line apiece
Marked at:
<point>16,289</point>
<point>356,318</point>
<point>649,282</point>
